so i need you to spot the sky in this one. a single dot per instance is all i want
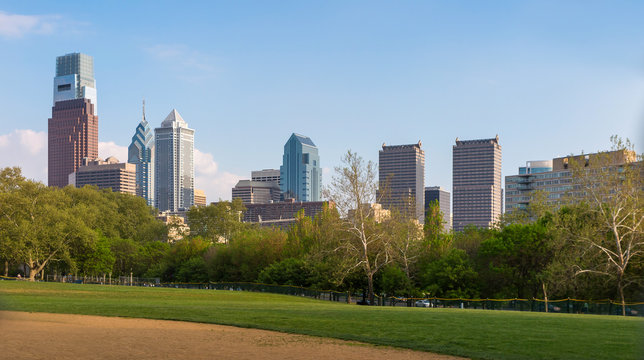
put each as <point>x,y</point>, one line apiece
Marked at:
<point>551,78</point>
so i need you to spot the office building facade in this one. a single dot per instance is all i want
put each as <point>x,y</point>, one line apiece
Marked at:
<point>476,183</point>
<point>401,179</point>
<point>141,154</point>
<point>256,192</point>
<point>200,198</point>
<point>72,130</point>
<point>174,165</point>
<point>437,193</point>
<point>266,175</point>
<point>108,174</point>
<point>300,173</point>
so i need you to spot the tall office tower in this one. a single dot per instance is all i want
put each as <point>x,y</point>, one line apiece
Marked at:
<point>141,154</point>
<point>174,164</point>
<point>75,79</point>
<point>476,183</point>
<point>266,175</point>
<point>72,130</point>
<point>437,193</point>
<point>300,173</point>
<point>401,179</point>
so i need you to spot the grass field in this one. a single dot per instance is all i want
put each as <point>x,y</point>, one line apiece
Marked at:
<point>478,334</point>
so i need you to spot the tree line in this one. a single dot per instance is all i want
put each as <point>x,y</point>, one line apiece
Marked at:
<point>591,247</point>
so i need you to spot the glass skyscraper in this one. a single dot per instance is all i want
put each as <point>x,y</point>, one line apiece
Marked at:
<point>75,78</point>
<point>300,173</point>
<point>174,164</point>
<point>141,154</point>
<point>72,130</point>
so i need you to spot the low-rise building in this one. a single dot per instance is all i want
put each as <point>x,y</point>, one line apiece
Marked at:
<point>108,174</point>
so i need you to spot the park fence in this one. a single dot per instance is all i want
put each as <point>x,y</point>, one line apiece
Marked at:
<point>570,306</point>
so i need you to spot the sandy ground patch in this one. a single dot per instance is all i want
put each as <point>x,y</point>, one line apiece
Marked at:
<point>61,336</point>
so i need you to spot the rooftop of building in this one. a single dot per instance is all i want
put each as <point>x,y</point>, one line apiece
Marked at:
<point>404,146</point>
<point>478,141</point>
<point>305,140</point>
<point>174,120</point>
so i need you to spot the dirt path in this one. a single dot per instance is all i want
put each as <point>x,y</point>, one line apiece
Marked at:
<point>61,336</point>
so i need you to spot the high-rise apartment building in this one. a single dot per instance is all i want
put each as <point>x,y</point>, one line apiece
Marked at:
<point>437,193</point>
<point>300,173</point>
<point>174,164</point>
<point>476,183</point>
<point>141,154</point>
<point>554,178</point>
<point>401,179</point>
<point>108,174</point>
<point>256,192</point>
<point>72,130</point>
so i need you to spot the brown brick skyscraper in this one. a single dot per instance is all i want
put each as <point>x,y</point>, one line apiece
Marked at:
<point>73,135</point>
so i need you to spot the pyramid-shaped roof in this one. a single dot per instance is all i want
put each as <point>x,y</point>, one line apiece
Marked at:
<point>174,120</point>
<point>303,139</point>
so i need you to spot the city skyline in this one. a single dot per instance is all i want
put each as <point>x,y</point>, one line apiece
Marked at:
<point>541,75</point>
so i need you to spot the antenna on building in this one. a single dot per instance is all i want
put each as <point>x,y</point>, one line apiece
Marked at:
<point>143,109</point>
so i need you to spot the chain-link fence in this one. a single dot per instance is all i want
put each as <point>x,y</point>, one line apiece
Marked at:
<point>570,306</point>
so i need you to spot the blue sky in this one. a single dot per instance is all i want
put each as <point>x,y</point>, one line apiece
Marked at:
<point>550,77</point>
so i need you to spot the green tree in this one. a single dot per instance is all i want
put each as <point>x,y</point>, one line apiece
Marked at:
<point>451,275</point>
<point>217,221</point>
<point>609,188</point>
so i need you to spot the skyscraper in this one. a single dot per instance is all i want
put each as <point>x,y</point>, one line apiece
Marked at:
<point>75,78</point>
<point>300,172</point>
<point>476,183</point>
<point>72,130</point>
<point>401,179</point>
<point>141,154</point>
<point>174,164</point>
<point>437,193</point>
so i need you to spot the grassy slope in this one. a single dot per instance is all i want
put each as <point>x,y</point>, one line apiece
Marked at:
<point>476,334</point>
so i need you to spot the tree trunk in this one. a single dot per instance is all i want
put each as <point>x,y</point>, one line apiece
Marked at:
<point>370,282</point>
<point>545,295</point>
<point>620,286</point>
<point>6,268</point>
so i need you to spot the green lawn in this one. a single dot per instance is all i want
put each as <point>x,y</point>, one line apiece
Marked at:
<point>477,334</point>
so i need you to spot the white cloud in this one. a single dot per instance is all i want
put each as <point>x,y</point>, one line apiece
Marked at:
<point>26,149</point>
<point>109,148</point>
<point>16,26</point>
<point>217,185</point>
<point>204,163</point>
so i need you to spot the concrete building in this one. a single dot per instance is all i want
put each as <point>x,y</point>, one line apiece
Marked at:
<point>256,192</point>
<point>282,213</point>
<point>300,173</point>
<point>72,130</point>
<point>401,179</point>
<point>476,183</point>
<point>108,174</point>
<point>200,198</point>
<point>375,210</point>
<point>437,193</point>
<point>141,154</point>
<point>177,227</point>
<point>174,165</point>
<point>554,178</point>
<point>266,175</point>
